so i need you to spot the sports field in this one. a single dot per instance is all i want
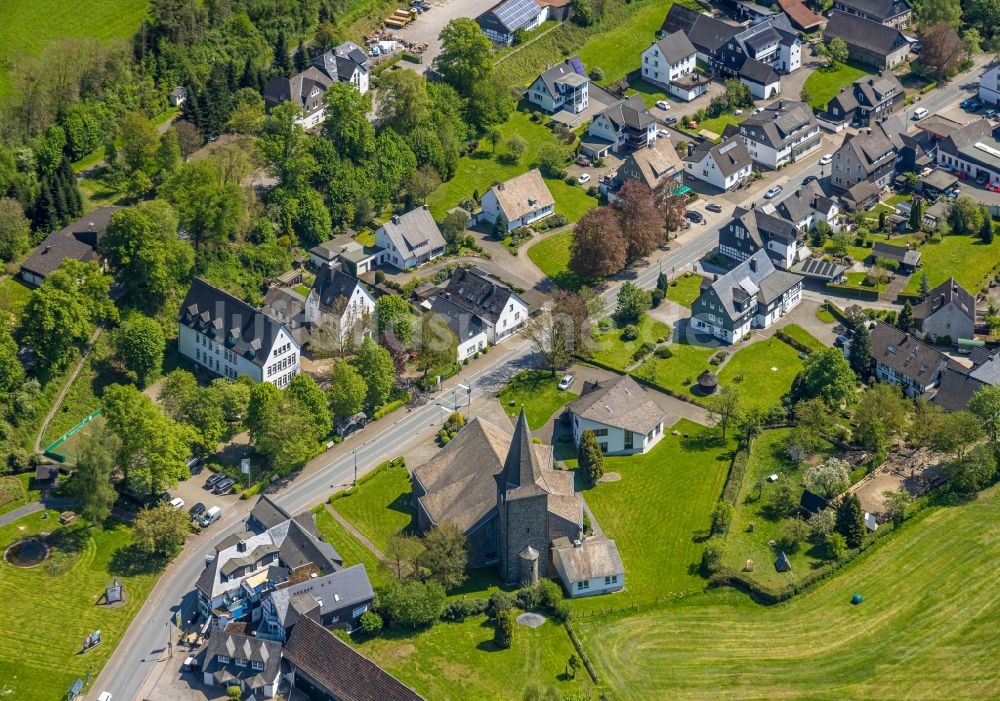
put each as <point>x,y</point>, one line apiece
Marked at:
<point>29,25</point>
<point>69,448</point>
<point>926,627</point>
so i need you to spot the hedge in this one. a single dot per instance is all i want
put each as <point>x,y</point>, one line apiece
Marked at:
<point>389,408</point>
<point>794,343</point>
<point>580,651</point>
<point>914,297</point>
<point>862,292</point>
<point>927,88</point>
<point>395,462</point>
<point>835,311</point>
<point>734,480</point>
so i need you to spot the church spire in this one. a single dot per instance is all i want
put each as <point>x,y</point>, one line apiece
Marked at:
<point>521,469</point>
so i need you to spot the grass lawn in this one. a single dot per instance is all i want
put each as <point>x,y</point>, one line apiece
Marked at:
<point>802,336</point>
<point>925,628</point>
<point>823,315</point>
<point>31,26</point>
<point>350,548</point>
<point>481,169</point>
<point>718,124</point>
<point>763,371</point>
<point>379,507</point>
<point>551,255</point>
<point>822,86</point>
<point>84,395</point>
<point>685,289</point>
<point>896,199</point>
<point>41,660</point>
<point>536,392</point>
<point>767,457</point>
<point>680,370</point>
<point>659,512</point>
<point>966,258</point>
<point>14,295</point>
<point>460,661</point>
<point>609,348</point>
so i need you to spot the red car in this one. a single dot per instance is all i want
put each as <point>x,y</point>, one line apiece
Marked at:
<point>961,175</point>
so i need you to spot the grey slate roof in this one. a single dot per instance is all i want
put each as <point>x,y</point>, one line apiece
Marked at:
<point>730,154</point>
<point>334,288</point>
<point>557,72</point>
<point>780,122</point>
<point>819,269</point>
<point>620,402</point>
<point>344,673</point>
<point>472,290</point>
<point>709,34</point>
<point>462,323</point>
<point>676,47</point>
<point>757,72</point>
<point>522,471</point>
<point>956,389</point>
<point>266,514</point>
<point>230,321</point>
<point>883,9</point>
<point>948,292</point>
<point>594,557</point>
<point>298,88</point>
<point>251,649</point>
<point>760,227</point>
<point>414,233</point>
<point>988,372</point>
<point>345,588</point>
<point>863,33</point>
<point>630,112</point>
<point>974,142</point>
<point>748,281</point>
<point>679,19</point>
<point>907,355</point>
<point>77,241</point>
<point>341,61</point>
<point>899,254</point>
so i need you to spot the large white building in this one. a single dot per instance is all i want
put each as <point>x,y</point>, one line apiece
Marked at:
<point>671,63</point>
<point>989,86</point>
<point>501,311</point>
<point>230,338</point>
<point>781,133</point>
<point>621,413</point>
<point>627,124</point>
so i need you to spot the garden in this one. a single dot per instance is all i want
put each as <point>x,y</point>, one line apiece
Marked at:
<point>552,255</point>
<point>824,84</point>
<point>685,289</point>
<point>621,346</point>
<point>536,392</point>
<point>966,258</point>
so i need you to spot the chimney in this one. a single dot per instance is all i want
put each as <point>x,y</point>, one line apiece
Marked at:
<point>425,207</point>
<point>395,218</point>
<point>753,265</point>
<point>241,547</point>
<point>47,248</point>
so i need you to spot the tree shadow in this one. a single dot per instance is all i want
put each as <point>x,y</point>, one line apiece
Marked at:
<point>481,156</point>
<point>701,536</point>
<point>129,561</point>
<point>488,646</point>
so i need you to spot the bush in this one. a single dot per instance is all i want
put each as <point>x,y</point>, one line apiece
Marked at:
<point>503,633</point>
<point>412,603</point>
<point>528,598</point>
<point>596,73</point>
<point>630,333</point>
<point>657,298</point>
<point>550,593</point>
<point>711,556</point>
<point>234,693</point>
<point>379,277</point>
<point>569,180</point>
<point>499,601</point>
<point>562,612</point>
<point>460,609</point>
<point>371,622</point>
<point>664,352</point>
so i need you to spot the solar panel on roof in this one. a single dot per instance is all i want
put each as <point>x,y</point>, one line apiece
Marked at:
<point>988,149</point>
<point>577,65</point>
<point>516,13</point>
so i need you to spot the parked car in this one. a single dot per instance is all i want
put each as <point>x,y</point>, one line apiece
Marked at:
<point>714,207</point>
<point>808,179</point>
<point>163,498</point>
<point>993,187</point>
<point>197,510</point>
<point>961,175</point>
<point>224,486</point>
<point>670,120</point>
<point>773,192</point>
<point>566,381</point>
<point>662,134</point>
<point>177,503</point>
<point>826,159</point>
<point>214,480</point>
<point>194,465</point>
<point>990,113</point>
<point>696,217</point>
<point>919,113</point>
<point>969,104</point>
<point>663,104</point>
<point>584,178</point>
<point>105,696</point>
<point>840,341</point>
<point>210,517</point>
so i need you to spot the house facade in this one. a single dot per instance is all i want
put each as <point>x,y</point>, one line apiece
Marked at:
<point>668,62</point>
<point>725,165</point>
<point>783,132</point>
<point>808,206</point>
<point>891,13</point>
<point>948,311</point>
<point>497,306</point>
<point>901,359</point>
<point>340,302</point>
<point>502,21</point>
<point>230,338</point>
<point>588,566</point>
<point>410,239</point>
<point>335,600</point>
<point>869,156</point>
<point>252,664</point>
<point>772,42</point>
<point>469,330</point>
<point>521,201</point>
<point>989,86</point>
<point>347,63</point>
<point>654,166</point>
<point>868,100</point>
<point>868,42</point>
<point>753,230</point>
<point>752,295</point>
<point>972,150</point>
<point>563,87</point>
<point>627,124</point>
<point>624,418</point>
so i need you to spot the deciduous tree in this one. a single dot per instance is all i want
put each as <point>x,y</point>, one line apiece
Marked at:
<point>942,50</point>
<point>348,390</point>
<point>412,603</point>
<point>672,208</point>
<point>91,482</point>
<point>375,366</point>
<point>15,229</point>
<point>139,344</point>
<point>160,530</point>
<point>445,555</point>
<point>402,553</point>
<point>826,375</point>
<point>638,218</point>
<point>598,248</point>
<point>394,314</point>
<point>850,520</point>
<point>466,56</point>
<point>828,479</point>
<point>724,408</point>
<point>558,330</point>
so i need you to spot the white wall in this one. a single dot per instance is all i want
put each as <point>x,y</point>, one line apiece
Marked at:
<point>790,57</point>
<point>989,86</point>
<point>592,587</point>
<point>656,68</point>
<point>514,315</point>
<point>614,437</point>
<point>469,346</point>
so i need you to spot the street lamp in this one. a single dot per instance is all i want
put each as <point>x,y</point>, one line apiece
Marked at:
<point>355,451</point>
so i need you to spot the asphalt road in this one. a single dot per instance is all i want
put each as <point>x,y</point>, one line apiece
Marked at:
<point>137,655</point>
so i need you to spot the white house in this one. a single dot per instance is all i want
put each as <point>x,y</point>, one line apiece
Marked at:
<point>725,165</point>
<point>783,132</point>
<point>808,206</point>
<point>521,200</point>
<point>497,306</point>
<point>338,301</point>
<point>972,150</point>
<point>588,566</point>
<point>468,328</point>
<point>989,86</point>
<point>761,78</point>
<point>410,239</point>
<point>670,63</point>
<point>627,124</point>
<point>563,87</point>
<point>230,338</point>
<point>622,415</point>
<point>752,230</point>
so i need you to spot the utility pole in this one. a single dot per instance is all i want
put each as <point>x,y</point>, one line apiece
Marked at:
<point>355,451</point>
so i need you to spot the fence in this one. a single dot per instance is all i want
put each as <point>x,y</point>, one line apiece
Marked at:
<point>50,452</point>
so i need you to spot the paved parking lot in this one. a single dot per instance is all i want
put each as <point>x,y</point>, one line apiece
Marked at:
<point>426,27</point>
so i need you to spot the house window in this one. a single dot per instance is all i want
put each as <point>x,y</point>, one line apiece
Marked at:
<point>259,666</point>
<point>600,431</point>
<point>582,585</point>
<point>239,662</point>
<point>603,447</point>
<point>628,440</point>
<point>223,659</point>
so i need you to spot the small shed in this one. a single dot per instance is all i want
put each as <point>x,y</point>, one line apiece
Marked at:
<point>177,96</point>
<point>708,382</point>
<point>871,523</point>
<point>812,502</point>
<point>782,564</point>
<point>349,425</point>
<point>46,472</point>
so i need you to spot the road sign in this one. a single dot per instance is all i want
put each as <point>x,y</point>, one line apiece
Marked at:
<point>245,466</point>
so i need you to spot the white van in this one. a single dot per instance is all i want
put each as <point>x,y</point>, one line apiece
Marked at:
<point>919,113</point>
<point>211,516</point>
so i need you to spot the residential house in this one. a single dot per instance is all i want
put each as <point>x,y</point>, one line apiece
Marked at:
<point>706,33</point>
<point>247,566</point>
<point>562,88</point>
<point>752,12</point>
<point>502,492</point>
<point>752,295</point>
<point>670,63</point>
<point>621,413</point>
<point>410,239</point>
<point>252,664</point>
<point>781,133</point>
<point>972,150</point>
<point>501,311</point>
<point>762,80</point>
<point>288,306</point>
<point>753,230</point>
<point>653,166</point>
<point>340,303</point>
<point>521,201</point>
<point>891,13</point>
<point>77,241</point>
<point>266,514</point>
<point>869,156</point>
<point>502,21</point>
<point>336,600</point>
<point>989,86</point>
<point>627,124</point>
<point>771,42</point>
<point>867,100</point>
<point>908,259</point>
<point>807,206</point>
<point>325,668</point>
<point>177,96</point>
<point>347,253</point>
<point>956,389</point>
<point>725,165</point>
<point>469,330</point>
<point>230,338</point>
<point>347,63</point>
<point>868,42</point>
<point>901,359</point>
<point>588,566</point>
<point>948,311</point>
<point>801,16</point>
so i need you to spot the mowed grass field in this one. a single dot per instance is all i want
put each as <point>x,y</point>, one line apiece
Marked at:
<point>45,617</point>
<point>822,86</point>
<point>537,392</point>
<point>379,507</point>
<point>966,258</point>
<point>926,628</point>
<point>29,25</point>
<point>763,371</point>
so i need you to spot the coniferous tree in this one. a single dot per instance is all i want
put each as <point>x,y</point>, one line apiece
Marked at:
<point>861,345</point>
<point>925,285</point>
<point>301,58</point>
<point>249,77</point>
<point>281,65</point>
<point>590,457</point>
<point>905,320</point>
<point>916,215</point>
<point>232,77</point>
<point>850,520</point>
<point>986,232</point>
<point>503,634</point>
